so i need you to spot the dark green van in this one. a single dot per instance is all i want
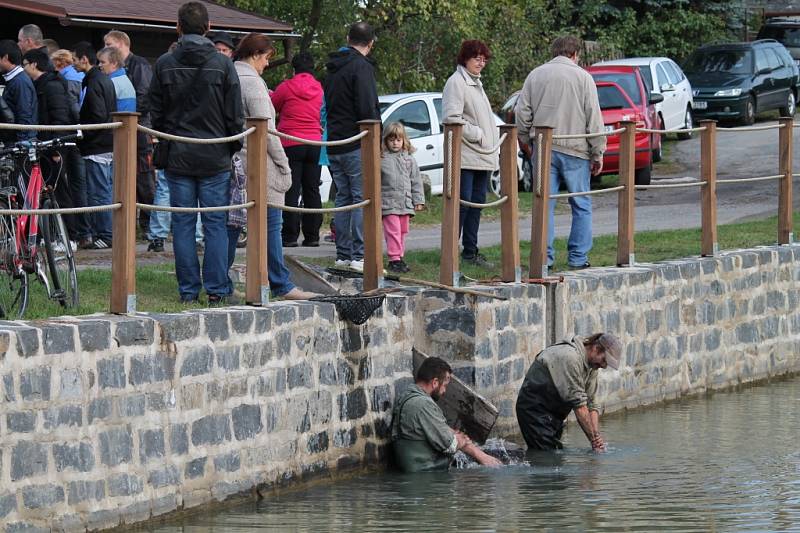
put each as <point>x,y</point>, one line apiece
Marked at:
<point>736,81</point>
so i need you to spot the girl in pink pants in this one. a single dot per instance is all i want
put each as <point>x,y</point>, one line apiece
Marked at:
<point>401,192</point>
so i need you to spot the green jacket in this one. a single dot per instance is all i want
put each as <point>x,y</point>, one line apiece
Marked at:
<point>421,438</point>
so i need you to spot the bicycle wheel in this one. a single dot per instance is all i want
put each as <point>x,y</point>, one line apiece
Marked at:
<point>62,275</point>
<point>13,280</point>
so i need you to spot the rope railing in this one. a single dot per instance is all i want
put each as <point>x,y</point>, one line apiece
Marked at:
<point>67,127</point>
<point>671,185</point>
<point>753,128</point>
<point>194,140</point>
<point>757,178</point>
<point>588,135</point>
<point>311,142</point>
<point>212,209</point>
<point>61,210</point>
<point>682,130</point>
<point>491,151</point>
<point>500,201</point>
<point>595,192</point>
<point>340,209</point>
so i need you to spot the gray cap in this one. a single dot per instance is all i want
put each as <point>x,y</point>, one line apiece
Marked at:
<point>613,349</point>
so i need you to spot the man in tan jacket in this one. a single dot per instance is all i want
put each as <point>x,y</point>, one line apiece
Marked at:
<point>562,95</point>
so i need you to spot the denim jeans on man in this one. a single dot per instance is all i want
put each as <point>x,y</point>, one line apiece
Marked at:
<point>277,273</point>
<point>209,191</point>
<point>473,189</point>
<point>346,174</point>
<point>160,220</point>
<point>574,172</point>
<point>100,191</point>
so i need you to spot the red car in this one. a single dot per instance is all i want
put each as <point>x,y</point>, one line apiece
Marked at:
<point>629,79</point>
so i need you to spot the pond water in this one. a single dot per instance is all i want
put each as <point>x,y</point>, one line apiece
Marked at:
<point>724,462</point>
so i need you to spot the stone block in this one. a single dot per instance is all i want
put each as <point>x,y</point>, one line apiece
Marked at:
<point>42,496</point>
<point>216,325</point>
<point>300,376</point>
<point>776,300</point>
<point>78,457</point>
<point>8,503</point>
<point>178,327</point>
<point>483,350</point>
<point>353,404</point>
<point>320,407</point>
<point>116,446</point>
<point>195,468</point>
<point>179,439</point>
<point>212,429</point>
<point>689,270</point>
<point>71,385</point>
<point>271,382</point>
<point>229,462</point>
<point>135,332</point>
<point>81,491</point>
<point>465,374</point>
<point>506,344</point>
<point>99,409</point>
<point>9,394</point>
<point>383,429</point>
<point>501,317</point>
<point>68,415</point>
<point>519,369</point>
<point>747,333</point>
<point>164,477</point>
<point>228,357</point>
<point>673,316</point>
<point>612,281</point>
<point>131,406</point>
<point>21,421</point>
<point>317,443</point>
<point>94,335</point>
<point>381,398</point>
<point>263,319</point>
<point>503,373</point>
<point>713,339</point>
<point>151,444</point>
<point>484,377</point>
<point>27,341</point>
<point>111,373</point>
<point>350,338</point>
<point>769,327</point>
<point>284,314</point>
<point>326,340</point>
<point>28,459</point>
<point>124,485</point>
<point>58,339</point>
<point>26,527</point>
<point>34,384</point>
<point>149,369</point>
<point>283,344</point>
<point>197,361</point>
<point>454,319</point>
<point>241,320</point>
<point>344,438</point>
<point>246,421</point>
<point>103,519</point>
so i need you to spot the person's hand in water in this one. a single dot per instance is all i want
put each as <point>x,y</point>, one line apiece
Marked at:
<point>487,460</point>
<point>598,445</point>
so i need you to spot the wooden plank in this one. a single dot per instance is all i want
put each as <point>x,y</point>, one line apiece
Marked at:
<point>542,145</point>
<point>786,154</point>
<point>306,277</point>
<point>464,409</point>
<point>373,225</point>
<point>449,272</point>
<point>123,252</point>
<point>257,281</point>
<point>708,198</point>
<point>509,211</point>
<point>625,213</point>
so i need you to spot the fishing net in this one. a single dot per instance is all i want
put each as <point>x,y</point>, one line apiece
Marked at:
<point>357,308</point>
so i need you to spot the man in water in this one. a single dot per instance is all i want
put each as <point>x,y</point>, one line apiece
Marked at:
<point>421,439</point>
<point>563,378</point>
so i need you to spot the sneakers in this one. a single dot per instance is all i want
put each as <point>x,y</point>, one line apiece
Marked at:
<point>478,260</point>
<point>290,244</point>
<point>580,267</point>
<point>399,267</point>
<point>156,245</point>
<point>357,265</point>
<point>311,244</point>
<point>215,300</point>
<point>85,243</point>
<point>342,263</point>
<point>101,244</point>
<point>299,294</point>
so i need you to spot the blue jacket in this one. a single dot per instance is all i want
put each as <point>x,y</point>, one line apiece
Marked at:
<point>126,94</point>
<point>20,95</point>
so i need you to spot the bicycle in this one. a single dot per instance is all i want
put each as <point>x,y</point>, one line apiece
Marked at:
<point>24,250</point>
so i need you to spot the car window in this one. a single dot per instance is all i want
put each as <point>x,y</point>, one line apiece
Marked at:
<point>785,56</point>
<point>437,105</point>
<point>772,59</point>
<point>647,76</point>
<point>787,36</point>
<point>674,78</point>
<point>628,82</point>
<point>415,117</point>
<point>611,97</point>
<point>728,61</point>
<point>677,69</point>
<point>663,78</point>
<point>383,106</point>
<point>761,60</point>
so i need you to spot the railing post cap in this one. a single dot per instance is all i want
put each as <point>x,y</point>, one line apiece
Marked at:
<point>122,114</point>
<point>785,119</point>
<point>629,121</point>
<point>543,127</point>
<point>507,126</point>
<point>453,122</point>
<point>368,122</point>
<point>257,119</point>
<point>707,121</point>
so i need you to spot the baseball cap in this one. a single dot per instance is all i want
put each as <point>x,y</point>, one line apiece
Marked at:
<point>613,349</point>
<point>222,37</point>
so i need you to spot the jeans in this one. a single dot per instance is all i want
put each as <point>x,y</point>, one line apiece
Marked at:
<point>574,172</point>
<point>210,191</point>
<point>100,191</point>
<point>277,273</point>
<point>473,189</point>
<point>304,162</point>
<point>346,174</point>
<point>160,220</point>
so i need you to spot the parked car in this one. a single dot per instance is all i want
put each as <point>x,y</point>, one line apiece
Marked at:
<point>661,75</point>
<point>785,30</point>
<point>740,80</point>
<point>421,114</point>
<point>617,106</point>
<point>632,82</point>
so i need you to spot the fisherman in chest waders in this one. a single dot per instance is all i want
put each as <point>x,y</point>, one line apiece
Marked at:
<point>563,378</point>
<point>421,438</point>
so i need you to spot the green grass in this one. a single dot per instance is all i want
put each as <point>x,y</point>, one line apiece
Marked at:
<point>157,289</point>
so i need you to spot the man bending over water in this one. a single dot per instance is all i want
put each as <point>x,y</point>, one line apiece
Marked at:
<point>563,378</point>
<point>421,439</point>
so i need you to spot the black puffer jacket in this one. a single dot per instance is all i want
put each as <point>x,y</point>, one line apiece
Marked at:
<point>52,93</point>
<point>185,100</point>
<point>140,73</point>
<point>350,95</point>
<point>99,102</point>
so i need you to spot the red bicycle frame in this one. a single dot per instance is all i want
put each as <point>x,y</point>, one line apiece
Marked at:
<point>28,225</point>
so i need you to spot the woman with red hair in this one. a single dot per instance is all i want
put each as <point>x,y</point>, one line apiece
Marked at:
<point>464,100</point>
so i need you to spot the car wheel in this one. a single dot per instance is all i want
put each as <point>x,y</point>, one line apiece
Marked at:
<point>687,124</point>
<point>494,182</point>
<point>749,111</point>
<point>526,179</point>
<point>657,153</point>
<point>242,242</point>
<point>642,175</point>
<point>790,108</point>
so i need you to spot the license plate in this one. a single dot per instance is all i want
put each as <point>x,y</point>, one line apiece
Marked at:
<point>700,104</point>
<point>609,129</point>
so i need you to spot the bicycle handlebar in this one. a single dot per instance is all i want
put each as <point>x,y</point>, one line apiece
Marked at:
<point>23,146</point>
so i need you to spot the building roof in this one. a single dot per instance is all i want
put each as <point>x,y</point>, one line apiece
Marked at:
<point>154,14</point>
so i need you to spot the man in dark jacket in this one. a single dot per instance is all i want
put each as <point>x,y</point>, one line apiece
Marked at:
<point>195,93</point>
<point>141,75</point>
<point>97,147</point>
<point>19,93</point>
<point>351,95</point>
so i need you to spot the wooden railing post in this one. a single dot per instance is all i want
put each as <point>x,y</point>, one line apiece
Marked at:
<point>786,154</point>
<point>542,146</point>
<point>708,173</point>
<point>373,226</point>
<point>509,213</point>
<point>123,229</point>
<point>626,217</point>
<point>256,279</point>
<point>449,273</point>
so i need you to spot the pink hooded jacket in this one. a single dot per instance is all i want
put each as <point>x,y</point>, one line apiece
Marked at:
<point>298,101</point>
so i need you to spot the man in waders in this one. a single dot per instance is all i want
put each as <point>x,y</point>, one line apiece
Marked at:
<point>421,439</point>
<point>563,378</point>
